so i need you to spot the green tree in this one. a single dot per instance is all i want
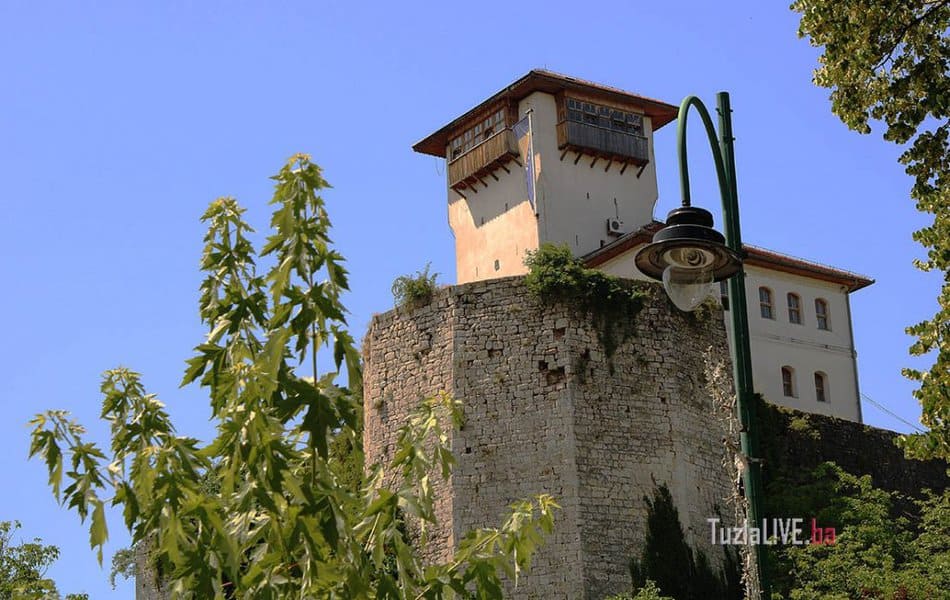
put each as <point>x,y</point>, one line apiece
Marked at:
<point>886,61</point>
<point>279,519</point>
<point>878,553</point>
<point>23,568</point>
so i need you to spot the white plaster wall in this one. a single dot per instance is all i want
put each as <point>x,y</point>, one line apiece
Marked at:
<point>575,201</point>
<point>778,342</point>
<point>623,266</point>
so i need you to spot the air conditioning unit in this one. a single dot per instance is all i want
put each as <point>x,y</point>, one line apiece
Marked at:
<point>615,227</point>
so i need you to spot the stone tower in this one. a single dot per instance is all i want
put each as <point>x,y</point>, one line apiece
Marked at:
<point>547,411</point>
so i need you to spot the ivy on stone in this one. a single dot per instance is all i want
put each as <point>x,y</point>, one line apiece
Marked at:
<point>556,275</point>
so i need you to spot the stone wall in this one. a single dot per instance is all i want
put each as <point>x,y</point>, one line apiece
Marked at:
<point>794,443</point>
<point>546,411</point>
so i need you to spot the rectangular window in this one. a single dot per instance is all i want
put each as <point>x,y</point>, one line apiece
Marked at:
<point>821,314</point>
<point>635,124</point>
<point>616,121</point>
<point>765,303</point>
<point>477,135</point>
<point>794,309</point>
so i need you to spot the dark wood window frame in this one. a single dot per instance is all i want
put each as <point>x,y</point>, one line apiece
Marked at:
<point>821,314</point>
<point>794,308</point>
<point>821,386</point>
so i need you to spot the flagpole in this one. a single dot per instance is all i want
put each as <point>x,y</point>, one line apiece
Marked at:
<point>529,112</point>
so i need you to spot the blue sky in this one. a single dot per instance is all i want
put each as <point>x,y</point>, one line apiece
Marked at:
<point>120,121</point>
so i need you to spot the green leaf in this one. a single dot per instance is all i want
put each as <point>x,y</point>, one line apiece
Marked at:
<point>98,532</point>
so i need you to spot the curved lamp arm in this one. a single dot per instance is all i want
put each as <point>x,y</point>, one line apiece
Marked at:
<point>713,146</point>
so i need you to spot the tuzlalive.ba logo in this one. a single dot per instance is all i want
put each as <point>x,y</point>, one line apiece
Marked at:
<point>789,531</point>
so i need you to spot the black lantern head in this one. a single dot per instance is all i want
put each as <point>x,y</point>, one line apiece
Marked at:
<point>688,256</point>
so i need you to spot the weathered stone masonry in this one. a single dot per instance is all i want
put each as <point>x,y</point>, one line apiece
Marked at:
<point>547,411</point>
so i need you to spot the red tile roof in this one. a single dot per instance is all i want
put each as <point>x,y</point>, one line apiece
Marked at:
<point>754,256</point>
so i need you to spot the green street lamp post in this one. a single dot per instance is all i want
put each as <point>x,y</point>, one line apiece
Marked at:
<point>689,256</point>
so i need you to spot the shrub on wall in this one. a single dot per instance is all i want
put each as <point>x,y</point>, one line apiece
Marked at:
<point>414,290</point>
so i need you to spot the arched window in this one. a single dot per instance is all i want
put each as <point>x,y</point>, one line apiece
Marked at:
<point>794,309</point>
<point>821,314</point>
<point>765,303</point>
<point>821,386</point>
<point>788,382</point>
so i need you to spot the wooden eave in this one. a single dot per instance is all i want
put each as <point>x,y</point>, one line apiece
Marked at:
<point>476,176</point>
<point>611,157</point>
<point>539,80</point>
<point>754,257</point>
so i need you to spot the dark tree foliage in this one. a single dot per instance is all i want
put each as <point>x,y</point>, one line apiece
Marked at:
<point>879,552</point>
<point>885,62</point>
<point>23,568</point>
<point>677,569</point>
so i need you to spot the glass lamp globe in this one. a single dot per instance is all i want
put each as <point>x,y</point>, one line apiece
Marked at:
<point>687,288</point>
<point>688,277</point>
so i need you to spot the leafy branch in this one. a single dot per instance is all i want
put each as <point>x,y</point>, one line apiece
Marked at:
<point>912,99</point>
<point>261,511</point>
